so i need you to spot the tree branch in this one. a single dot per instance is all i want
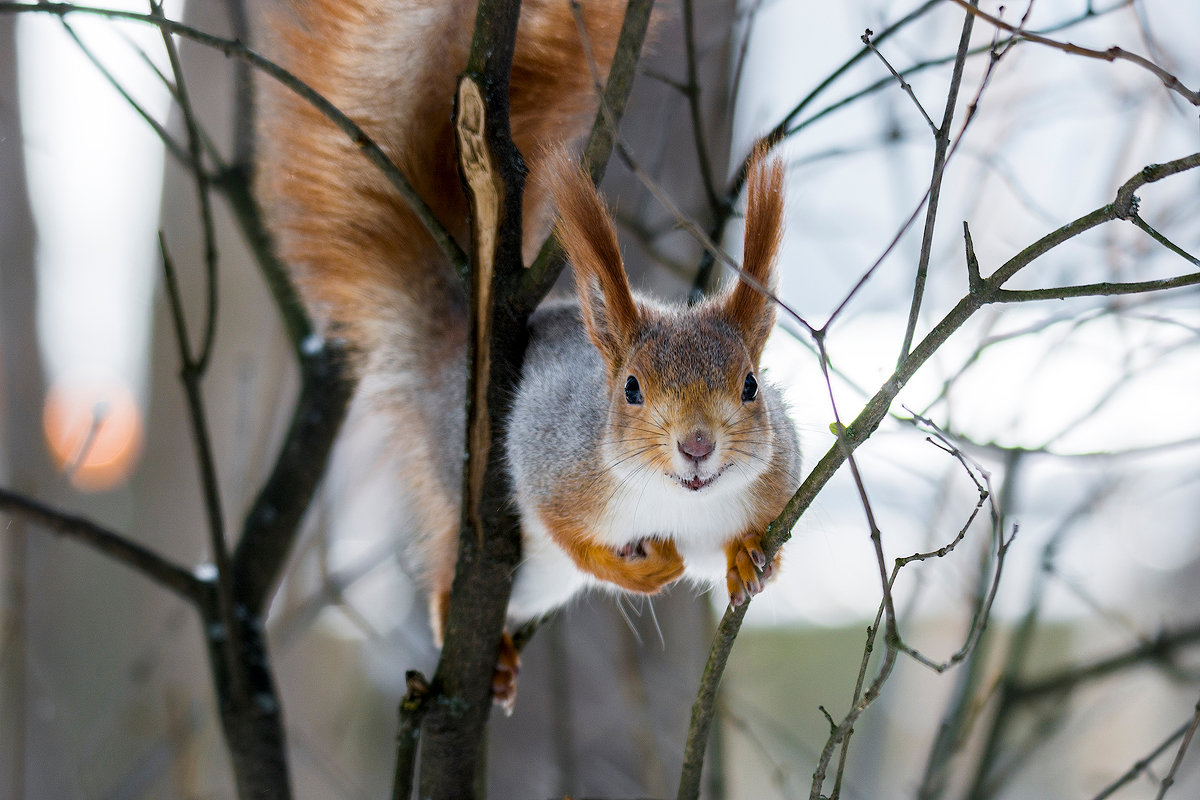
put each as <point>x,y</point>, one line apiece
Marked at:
<point>1161,648</point>
<point>236,49</point>
<point>149,564</point>
<point>201,179</point>
<point>872,414</point>
<point>489,542</point>
<point>1143,764</point>
<point>1111,54</point>
<point>541,275</point>
<point>270,526</point>
<point>941,147</point>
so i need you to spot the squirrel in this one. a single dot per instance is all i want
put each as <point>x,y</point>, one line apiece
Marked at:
<point>643,443</point>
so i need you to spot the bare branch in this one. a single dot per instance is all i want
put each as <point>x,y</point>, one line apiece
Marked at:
<point>941,152</point>
<point>692,92</point>
<point>489,536</point>
<point>413,707</point>
<point>1111,54</point>
<point>852,436</point>
<point>237,49</point>
<point>177,151</point>
<point>201,180</point>
<point>704,707</point>
<point>1169,779</point>
<point>1143,764</point>
<point>596,152</point>
<point>1161,648</point>
<point>117,547</point>
<point>905,85</point>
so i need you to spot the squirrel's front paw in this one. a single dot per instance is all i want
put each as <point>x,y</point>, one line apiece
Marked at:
<point>647,565</point>
<point>749,569</point>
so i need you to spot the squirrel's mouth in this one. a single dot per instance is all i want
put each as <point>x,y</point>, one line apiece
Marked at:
<point>696,482</point>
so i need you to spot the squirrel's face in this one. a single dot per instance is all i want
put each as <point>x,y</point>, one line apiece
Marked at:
<point>685,411</point>
<point>685,407</point>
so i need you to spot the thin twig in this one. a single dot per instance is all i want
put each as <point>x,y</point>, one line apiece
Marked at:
<point>114,545</point>
<point>206,465</point>
<point>1169,779</point>
<point>979,618</point>
<point>941,154</point>
<point>921,66</point>
<point>545,269</point>
<point>1163,240</point>
<point>692,93</point>
<point>1111,54</point>
<point>413,706</point>
<point>190,377</point>
<point>236,49</point>
<point>905,85</point>
<point>852,436</point>
<point>1103,289</point>
<point>1161,648</point>
<point>173,147</point>
<point>1143,764</point>
<point>201,181</point>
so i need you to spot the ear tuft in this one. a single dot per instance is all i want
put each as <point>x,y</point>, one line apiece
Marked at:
<point>748,309</point>
<point>585,230</point>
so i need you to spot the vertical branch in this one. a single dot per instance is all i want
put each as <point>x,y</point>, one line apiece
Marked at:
<point>941,138</point>
<point>251,716</point>
<point>541,275</point>
<point>200,176</point>
<point>956,717</point>
<point>413,706</point>
<point>190,376</point>
<point>243,89</point>
<point>693,99</point>
<point>704,707</point>
<point>489,538</point>
<point>706,273</point>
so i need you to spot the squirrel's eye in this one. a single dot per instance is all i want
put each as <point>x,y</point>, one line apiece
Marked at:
<point>749,388</point>
<point>633,392</point>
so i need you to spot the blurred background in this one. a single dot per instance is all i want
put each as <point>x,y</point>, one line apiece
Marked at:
<point>1079,417</point>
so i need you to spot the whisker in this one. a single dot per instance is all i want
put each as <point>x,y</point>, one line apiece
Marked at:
<point>654,618</point>
<point>621,607</point>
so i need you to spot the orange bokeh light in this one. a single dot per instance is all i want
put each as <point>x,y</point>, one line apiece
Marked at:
<point>94,433</point>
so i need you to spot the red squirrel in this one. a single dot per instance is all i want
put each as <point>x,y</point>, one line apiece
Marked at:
<point>643,444</point>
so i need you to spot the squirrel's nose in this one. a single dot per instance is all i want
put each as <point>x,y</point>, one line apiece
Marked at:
<point>696,446</point>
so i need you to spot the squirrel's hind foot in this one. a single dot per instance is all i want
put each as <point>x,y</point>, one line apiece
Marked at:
<point>504,677</point>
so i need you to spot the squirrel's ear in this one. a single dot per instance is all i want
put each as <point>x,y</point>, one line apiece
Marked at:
<point>585,230</point>
<point>748,309</point>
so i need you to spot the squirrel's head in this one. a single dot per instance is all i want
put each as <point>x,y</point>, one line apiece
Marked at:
<point>684,395</point>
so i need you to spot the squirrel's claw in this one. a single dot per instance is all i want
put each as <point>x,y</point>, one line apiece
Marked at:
<point>749,570</point>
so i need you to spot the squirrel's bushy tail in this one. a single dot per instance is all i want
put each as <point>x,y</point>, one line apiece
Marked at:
<point>365,264</point>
